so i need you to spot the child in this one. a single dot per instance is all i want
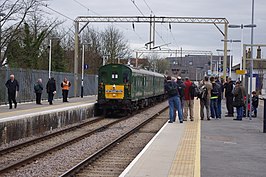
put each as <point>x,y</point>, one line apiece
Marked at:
<point>255,103</point>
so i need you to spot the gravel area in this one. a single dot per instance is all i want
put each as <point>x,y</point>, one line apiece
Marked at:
<point>61,160</point>
<point>43,145</point>
<point>118,158</point>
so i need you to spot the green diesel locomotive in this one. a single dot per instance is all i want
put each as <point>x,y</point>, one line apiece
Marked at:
<point>122,87</point>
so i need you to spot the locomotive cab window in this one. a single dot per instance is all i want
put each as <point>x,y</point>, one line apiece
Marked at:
<point>114,76</point>
<point>125,77</point>
<point>103,76</point>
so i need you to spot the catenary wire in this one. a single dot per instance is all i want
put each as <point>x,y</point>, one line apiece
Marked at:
<point>101,15</point>
<point>58,12</point>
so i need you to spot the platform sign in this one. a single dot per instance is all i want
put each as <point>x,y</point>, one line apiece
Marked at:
<point>86,66</point>
<point>241,72</point>
<point>221,70</point>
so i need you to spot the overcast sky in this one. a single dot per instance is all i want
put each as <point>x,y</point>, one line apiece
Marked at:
<point>187,36</point>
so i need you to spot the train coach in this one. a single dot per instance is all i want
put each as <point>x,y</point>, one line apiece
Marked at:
<point>123,88</point>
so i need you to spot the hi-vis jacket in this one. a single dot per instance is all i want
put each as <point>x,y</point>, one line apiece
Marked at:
<point>65,85</point>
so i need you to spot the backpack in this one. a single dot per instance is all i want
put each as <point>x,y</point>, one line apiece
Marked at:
<point>172,89</point>
<point>215,89</point>
<point>203,93</point>
<point>193,90</point>
<point>36,87</point>
<point>181,90</point>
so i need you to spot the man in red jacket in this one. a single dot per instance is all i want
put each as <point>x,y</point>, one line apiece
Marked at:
<point>189,100</point>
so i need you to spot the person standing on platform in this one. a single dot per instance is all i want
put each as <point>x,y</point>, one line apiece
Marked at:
<point>229,86</point>
<point>215,91</point>
<point>238,102</point>
<point>51,90</point>
<point>12,90</point>
<point>220,97</point>
<point>255,103</point>
<point>173,99</point>
<point>189,99</point>
<point>38,88</point>
<point>181,90</point>
<point>205,95</point>
<point>65,88</point>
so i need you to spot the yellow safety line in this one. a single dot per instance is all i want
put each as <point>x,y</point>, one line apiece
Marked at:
<point>187,158</point>
<point>197,160</point>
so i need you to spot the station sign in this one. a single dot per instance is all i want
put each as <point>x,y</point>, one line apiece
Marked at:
<point>241,72</point>
<point>221,70</point>
<point>86,66</point>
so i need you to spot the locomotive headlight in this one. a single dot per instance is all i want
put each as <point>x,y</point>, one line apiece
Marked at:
<point>114,95</point>
<point>101,85</point>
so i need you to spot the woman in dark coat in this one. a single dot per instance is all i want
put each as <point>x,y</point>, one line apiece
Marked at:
<point>51,90</point>
<point>239,94</point>
<point>38,88</point>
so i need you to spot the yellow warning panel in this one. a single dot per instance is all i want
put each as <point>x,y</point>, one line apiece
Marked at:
<point>114,91</point>
<point>241,72</point>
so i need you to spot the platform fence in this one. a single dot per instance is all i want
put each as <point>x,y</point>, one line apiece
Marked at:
<point>27,78</point>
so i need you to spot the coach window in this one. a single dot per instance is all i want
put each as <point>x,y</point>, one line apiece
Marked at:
<point>103,76</point>
<point>125,77</point>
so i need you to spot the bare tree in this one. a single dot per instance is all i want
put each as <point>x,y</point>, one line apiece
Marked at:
<point>157,63</point>
<point>66,36</point>
<point>162,65</point>
<point>114,44</point>
<point>30,41</point>
<point>92,40</point>
<point>15,12</point>
<point>152,59</point>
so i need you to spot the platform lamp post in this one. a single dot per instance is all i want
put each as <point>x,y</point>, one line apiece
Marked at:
<point>1,15</point>
<point>221,50</point>
<point>82,69</point>
<point>241,26</point>
<point>231,54</point>
<point>252,26</point>
<point>50,56</point>
<point>251,62</point>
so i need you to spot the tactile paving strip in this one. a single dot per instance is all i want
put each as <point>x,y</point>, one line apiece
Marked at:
<point>187,158</point>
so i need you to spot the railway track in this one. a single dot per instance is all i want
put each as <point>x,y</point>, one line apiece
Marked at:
<point>112,159</point>
<point>50,135</point>
<point>57,159</point>
<point>19,150</point>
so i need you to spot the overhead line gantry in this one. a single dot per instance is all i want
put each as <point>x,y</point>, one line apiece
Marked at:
<point>146,19</point>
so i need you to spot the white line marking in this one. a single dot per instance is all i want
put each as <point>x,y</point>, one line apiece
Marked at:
<point>44,112</point>
<point>141,153</point>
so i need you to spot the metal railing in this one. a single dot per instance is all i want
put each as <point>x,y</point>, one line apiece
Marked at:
<point>27,78</point>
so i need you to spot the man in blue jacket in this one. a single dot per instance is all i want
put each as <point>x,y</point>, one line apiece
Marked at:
<point>171,89</point>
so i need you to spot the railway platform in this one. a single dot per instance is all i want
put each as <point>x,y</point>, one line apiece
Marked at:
<point>30,119</point>
<point>24,109</point>
<point>220,148</point>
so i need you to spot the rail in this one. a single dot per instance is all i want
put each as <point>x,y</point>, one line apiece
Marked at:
<point>74,170</point>
<point>57,147</point>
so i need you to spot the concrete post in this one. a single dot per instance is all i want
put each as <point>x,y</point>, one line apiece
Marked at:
<point>264,116</point>
<point>225,50</point>
<point>76,57</point>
